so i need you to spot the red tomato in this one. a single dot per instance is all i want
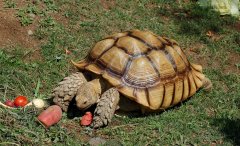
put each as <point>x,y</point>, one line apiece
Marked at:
<point>9,103</point>
<point>20,101</point>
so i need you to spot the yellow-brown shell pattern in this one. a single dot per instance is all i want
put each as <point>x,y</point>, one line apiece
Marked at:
<point>149,69</point>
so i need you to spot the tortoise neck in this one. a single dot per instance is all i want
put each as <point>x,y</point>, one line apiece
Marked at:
<point>97,86</point>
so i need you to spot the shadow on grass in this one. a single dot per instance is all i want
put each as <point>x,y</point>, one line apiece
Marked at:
<point>73,111</point>
<point>230,128</point>
<point>139,114</point>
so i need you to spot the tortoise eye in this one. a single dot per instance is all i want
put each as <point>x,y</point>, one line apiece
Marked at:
<point>85,102</point>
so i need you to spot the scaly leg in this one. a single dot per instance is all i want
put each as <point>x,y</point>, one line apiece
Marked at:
<point>67,89</point>
<point>106,107</point>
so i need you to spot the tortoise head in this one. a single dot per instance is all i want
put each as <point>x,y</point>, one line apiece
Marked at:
<point>88,94</point>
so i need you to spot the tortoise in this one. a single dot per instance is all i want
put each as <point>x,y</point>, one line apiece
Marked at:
<point>150,72</point>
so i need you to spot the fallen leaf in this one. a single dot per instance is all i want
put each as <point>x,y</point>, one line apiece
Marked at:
<point>210,33</point>
<point>67,52</point>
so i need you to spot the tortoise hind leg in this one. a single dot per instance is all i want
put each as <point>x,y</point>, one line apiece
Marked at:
<point>106,107</point>
<point>207,84</point>
<point>65,91</point>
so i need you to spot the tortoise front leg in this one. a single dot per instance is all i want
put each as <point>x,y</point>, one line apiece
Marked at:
<point>65,91</point>
<point>106,107</point>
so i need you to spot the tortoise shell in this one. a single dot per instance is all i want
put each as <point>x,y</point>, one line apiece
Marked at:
<point>149,69</point>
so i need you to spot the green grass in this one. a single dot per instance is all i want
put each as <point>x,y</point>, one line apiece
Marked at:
<point>205,119</point>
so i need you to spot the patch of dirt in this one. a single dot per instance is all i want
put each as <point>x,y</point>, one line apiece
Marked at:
<point>233,61</point>
<point>76,129</point>
<point>13,34</point>
<point>11,31</point>
<point>32,54</point>
<point>151,5</point>
<point>211,112</point>
<point>108,4</point>
<point>194,51</point>
<point>61,19</point>
<point>237,26</point>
